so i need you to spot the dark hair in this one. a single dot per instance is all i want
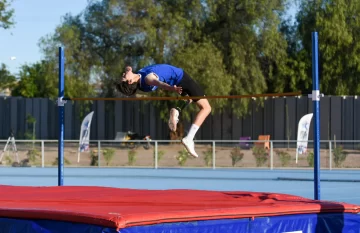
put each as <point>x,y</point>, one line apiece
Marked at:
<point>125,88</point>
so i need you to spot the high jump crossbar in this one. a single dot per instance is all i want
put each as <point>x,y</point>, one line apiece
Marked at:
<point>186,97</point>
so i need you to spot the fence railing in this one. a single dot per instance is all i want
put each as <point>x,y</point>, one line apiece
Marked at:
<point>170,153</point>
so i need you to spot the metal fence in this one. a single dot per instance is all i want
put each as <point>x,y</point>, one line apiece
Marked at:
<point>213,154</point>
<point>277,117</point>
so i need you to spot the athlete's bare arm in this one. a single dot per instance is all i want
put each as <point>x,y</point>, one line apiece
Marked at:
<point>152,80</point>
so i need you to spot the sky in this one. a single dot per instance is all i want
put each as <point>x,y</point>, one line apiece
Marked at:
<point>33,19</point>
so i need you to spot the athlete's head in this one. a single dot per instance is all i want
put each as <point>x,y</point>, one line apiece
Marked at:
<point>128,83</point>
<point>129,76</point>
<point>127,89</point>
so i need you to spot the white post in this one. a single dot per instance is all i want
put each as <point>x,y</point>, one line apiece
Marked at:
<point>271,156</point>
<point>330,156</point>
<point>213,155</point>
<point>99,148</point>
<point>156,155</point>
<point>42,154</point>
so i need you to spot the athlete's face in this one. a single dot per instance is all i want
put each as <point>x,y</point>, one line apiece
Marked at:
<point>128,76</point>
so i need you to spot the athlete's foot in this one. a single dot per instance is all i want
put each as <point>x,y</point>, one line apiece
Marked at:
<point>190,147</point>
<point>174,119</point>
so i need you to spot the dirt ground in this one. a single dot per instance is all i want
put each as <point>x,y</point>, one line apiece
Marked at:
<point>168,157</point>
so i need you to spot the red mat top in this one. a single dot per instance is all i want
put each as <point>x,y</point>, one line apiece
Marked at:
<point>120,208</point>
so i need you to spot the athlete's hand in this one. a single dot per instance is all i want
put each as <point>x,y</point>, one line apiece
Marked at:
<point>178,89</point>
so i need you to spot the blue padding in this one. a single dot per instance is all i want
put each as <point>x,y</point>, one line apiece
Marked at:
<point>11,225</point>
<point>304,223</point>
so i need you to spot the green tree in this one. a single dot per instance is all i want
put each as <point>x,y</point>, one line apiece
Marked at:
<point>109,40</point>
<point>254,50</point>
<point>6,14</point>
<point>136,33</point>
<point>6,79</point>
<point>37,80</point>
<point>229,47</point>
<point>78,71</point>
<point>339,60</point>
<point>41,80</point>
<point>298,61</point>
<point>113,34</point>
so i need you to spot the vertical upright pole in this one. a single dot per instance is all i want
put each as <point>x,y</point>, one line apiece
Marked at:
<point>213,155</point>
<point>316,106</point>
<point>271,155</point>
<point>61,118</point>
<point>330,156</point>
<point>99,153</point>
<point>156,155</point>
<point>42,154</point>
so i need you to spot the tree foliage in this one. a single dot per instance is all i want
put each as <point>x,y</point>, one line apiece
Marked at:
<point>338,25</point>
<point>6,14</point>
<point>7,80</point>
<point>254,51</point>
<point>228,47</point>
<point>36,81</point>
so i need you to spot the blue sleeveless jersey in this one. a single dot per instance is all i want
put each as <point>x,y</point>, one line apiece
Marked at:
<point>166,73</point>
